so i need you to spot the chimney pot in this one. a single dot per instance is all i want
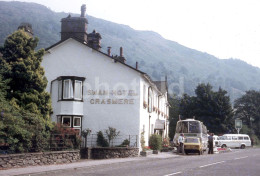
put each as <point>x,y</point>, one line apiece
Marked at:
<point>121,51</point>
<point>83,10</point>
<point>109,50</point>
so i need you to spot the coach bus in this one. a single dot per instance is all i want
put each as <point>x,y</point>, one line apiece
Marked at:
<point>191,128</point>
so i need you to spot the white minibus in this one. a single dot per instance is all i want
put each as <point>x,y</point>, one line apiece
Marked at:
<point>234,141</point>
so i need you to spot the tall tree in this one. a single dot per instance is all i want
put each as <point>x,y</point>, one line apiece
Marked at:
<point>248,109</point>
<point>213,108</point>
<point>174,112</point>
<point>22,66</point>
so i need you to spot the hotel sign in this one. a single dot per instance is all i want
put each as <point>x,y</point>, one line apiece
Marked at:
<point>112,96</point>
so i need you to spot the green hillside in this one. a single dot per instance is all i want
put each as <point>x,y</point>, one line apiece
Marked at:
<point>157,56</point>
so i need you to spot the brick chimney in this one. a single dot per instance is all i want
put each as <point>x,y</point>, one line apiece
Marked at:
<point>109,50</point>
<point>121,57</point>
<point>75,27</point>
<point>94,40</point>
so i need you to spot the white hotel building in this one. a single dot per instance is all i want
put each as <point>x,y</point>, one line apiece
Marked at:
<point>94,90</point>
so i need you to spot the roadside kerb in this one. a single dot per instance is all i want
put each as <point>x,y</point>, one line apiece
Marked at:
<point>34,170</point>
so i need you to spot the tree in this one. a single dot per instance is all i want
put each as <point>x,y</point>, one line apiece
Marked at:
<point>213,108</point>
<point>248,109</point>
<point>101,141</point>
<point>174,112</point>
<point>22,66</point>
<point>111,134</point>
<point>20,131</point>
<point>24,104</point>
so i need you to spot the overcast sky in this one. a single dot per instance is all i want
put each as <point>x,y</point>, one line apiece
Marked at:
<point>223,28</point>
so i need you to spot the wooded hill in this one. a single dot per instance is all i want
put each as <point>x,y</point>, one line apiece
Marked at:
<point>184,67</point>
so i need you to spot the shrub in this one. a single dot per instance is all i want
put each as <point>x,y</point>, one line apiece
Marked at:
<point>142,141</point>
<point>155,142</point>
<point>166,142</point>
<point>126,142</point>
<point>64,138</point>
<point>101,141</point>
<point>111,134</point>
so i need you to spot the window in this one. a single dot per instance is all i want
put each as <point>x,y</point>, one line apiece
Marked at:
<point>60,89</point>
<point>67,89</point>
<point>70,88</point>
<point>246,138</point>
<point>66,121</point>
<point>234,138</point>
<point>77,121</point>
<point>144,93</point>
<point>78,89</point>
<point>70,121</point>
<point>150,100</point>
<point>240,138</point>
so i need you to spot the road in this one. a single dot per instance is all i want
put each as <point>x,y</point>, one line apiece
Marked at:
<point>237,163</point>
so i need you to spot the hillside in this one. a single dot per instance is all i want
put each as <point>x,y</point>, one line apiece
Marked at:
<point>157,56</point>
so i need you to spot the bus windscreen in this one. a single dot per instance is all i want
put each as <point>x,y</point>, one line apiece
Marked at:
<point>194,127</point>
<point>188,127</point>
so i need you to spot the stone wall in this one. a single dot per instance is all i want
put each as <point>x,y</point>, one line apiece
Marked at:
<point>42,158</point>
<point>115,152</point>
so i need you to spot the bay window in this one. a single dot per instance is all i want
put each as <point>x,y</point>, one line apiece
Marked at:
<point>70,88</point>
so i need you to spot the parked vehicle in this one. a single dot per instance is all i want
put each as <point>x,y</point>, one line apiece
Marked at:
<point>193,145</point>
<point>191,128</point>
<point>234,141</point>
<point>215,140</point>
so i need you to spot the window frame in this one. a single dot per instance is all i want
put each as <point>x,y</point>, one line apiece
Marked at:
<point>72,117</point>
<point>77,117</point>
<point>81,87</point>
<point>72,81</point>
<point>150,100</point>
<point>62,120</point>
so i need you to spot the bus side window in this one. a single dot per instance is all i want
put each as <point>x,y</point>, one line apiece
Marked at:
<point>234,138</point>
<point>228,138</point>
<point>240,138</point>
<point>246,138</point>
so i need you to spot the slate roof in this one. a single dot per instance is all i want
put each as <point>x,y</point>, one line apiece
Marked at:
<point>162,86</point>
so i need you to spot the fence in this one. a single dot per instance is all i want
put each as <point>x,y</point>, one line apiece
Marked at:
<point>56,142</point>
<point>130,141</point>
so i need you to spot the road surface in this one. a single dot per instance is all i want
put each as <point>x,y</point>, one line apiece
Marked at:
<point>239,162</point>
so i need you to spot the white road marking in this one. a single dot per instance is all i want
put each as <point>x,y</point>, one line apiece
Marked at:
<point>240,158</point>
<point>173,173</point>
<point>212,164</point>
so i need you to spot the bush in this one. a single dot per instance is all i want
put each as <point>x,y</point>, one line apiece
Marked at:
<point>111,134</point>
<point>64,138</point>
<point>101,141</point>
<point>166,142</point>
<point>155,142</point>
<point>142,141</point>
<point>21,131</point>
<point>126,142</point>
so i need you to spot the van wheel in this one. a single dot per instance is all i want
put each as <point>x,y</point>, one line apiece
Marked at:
<point>243,147</point>
<point>224,146</point>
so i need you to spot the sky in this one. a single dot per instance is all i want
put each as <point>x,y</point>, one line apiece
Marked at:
<point>223,28</point>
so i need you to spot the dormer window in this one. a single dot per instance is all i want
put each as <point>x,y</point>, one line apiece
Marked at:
<point>70,88</point>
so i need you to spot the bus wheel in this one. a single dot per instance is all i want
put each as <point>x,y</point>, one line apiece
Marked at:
<point>243,147</point>
<point>223,146</point>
